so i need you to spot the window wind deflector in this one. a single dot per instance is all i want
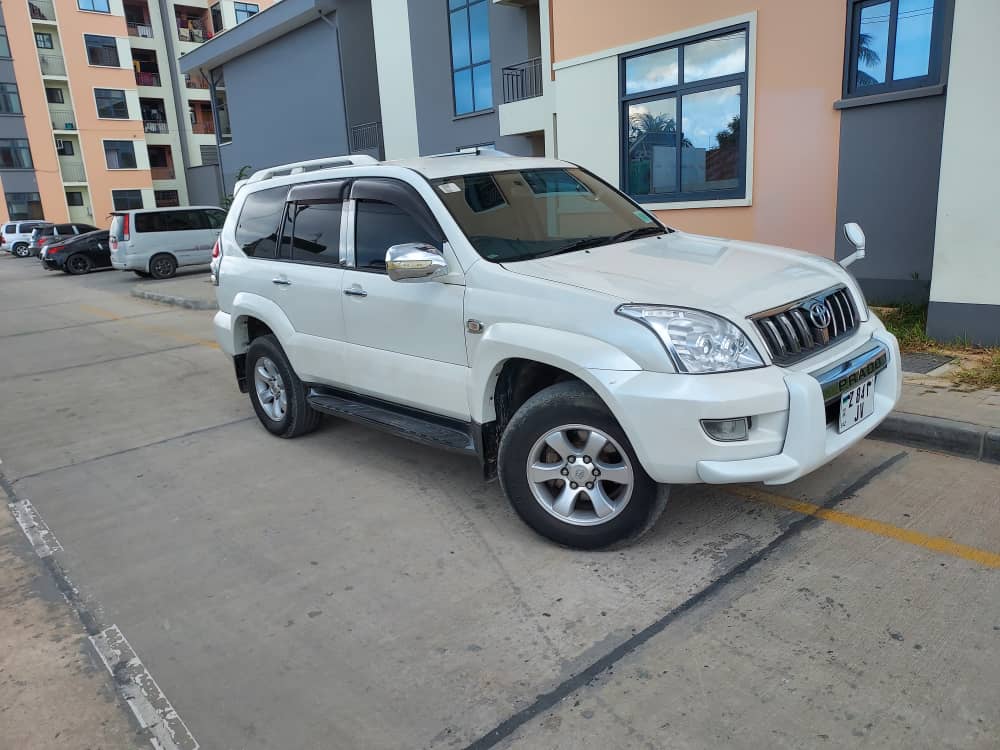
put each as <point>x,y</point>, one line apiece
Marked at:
<point>335,190</point>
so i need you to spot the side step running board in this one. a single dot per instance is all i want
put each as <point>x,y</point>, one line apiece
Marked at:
<point>431,429</point>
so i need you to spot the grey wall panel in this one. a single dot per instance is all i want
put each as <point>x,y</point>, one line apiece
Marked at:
<point>203,186</point>
<point>286,102</point>
<point>357,55</point>
<point>977,324</point>
<point>438,129</point>
<point>890,161</point>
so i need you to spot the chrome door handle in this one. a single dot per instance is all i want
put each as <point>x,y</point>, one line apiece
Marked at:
<point>354,292</point>
<point>281,282</point>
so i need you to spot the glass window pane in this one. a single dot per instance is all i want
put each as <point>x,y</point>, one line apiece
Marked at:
<point>720,56</point>
<point>4,46</point>
<point>479,30</point>
<point>653,71</point>
<point>379,227</point>
<point>652,147</point>
<point>460,39</point>
<point>463,92</point>
<point>483,86</point>
<point>317,233</point>
<point>257,228</point>
<point>452,4</point>
<point>872,44</point>
<point>710,153</point>
<point>913,39</point>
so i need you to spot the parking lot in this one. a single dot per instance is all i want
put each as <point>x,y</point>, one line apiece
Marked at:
<point>353,590</point>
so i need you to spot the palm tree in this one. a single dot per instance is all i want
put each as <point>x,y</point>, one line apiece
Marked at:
<point>642,123</point>
<point>868,57</point>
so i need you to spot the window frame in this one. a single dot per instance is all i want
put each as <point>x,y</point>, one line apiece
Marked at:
<point>97,106</point>
<point>237,10</point>
<point>60,100</point>
<point>741,192</point>
<point>17,111</point>
<point>129,208</point>
<point>466,5</point>
<point>76,193</point>
<point>135,158</point>
<point>851,43</point>
<point>28,200</point>
<point>94,4</point>
<point>5,44</point>
<point>287,224</point>
<point>46,35</point>
<point>113,46</point>
<point>23,149</point>
<point>62,143</point>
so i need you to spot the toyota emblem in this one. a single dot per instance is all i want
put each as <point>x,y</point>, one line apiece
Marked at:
<point>819,315</point>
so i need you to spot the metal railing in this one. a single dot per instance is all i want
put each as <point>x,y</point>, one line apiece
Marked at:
<point>195,82</point>
<point>162,173</point>
<point>155,126</point>
<point>143,30</point>
<point>366,137</point>
<point>41,10</point>
<point>146,78</point>
<point>72,172</point>
<point>62,118</point>
<point>203,128</point>
<point>522,81</point>
<point>52,65</point>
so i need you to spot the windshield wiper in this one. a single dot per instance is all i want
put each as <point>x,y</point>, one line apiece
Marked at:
<point>581,244</point>
<point>632,234</point>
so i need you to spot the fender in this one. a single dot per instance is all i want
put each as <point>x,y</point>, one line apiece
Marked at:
<point>248,305</point>
<point>575,353</point>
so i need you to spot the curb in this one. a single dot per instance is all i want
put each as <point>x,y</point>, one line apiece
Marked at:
<point>943,435</point>
<point>172,299</point>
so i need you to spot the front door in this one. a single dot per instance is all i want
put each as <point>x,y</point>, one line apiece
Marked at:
<point>406,341</point>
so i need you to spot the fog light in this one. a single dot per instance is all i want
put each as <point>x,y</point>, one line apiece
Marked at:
<point>727,430</point>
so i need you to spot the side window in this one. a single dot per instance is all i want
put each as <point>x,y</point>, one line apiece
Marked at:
<point>182,221</point>
<point>148,222</point>
<point>257,228</point>
<point>379,227</point>
<point>216,219</point>
<point>316,232</point>
<point>62,229</point>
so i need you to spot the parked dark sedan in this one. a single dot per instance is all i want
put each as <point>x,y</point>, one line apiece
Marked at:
<point>78,254</point>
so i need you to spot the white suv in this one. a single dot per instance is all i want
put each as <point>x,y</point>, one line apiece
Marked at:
<point>524,312</point>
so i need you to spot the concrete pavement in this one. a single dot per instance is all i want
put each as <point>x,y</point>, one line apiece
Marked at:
<point>349,589</point>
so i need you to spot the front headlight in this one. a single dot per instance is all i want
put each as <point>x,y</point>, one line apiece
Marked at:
<point>697,341</point>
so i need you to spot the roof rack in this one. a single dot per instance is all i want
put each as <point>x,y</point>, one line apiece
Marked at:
<point>472,151</point>
<point>283,170</point>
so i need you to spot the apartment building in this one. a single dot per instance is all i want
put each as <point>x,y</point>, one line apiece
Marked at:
<point>95,114</point>
<point>765,120</point>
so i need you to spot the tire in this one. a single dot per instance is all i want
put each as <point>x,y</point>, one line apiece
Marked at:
<point>609,512</point>
<point>297,417</point>
<point>162,266</point>
<point>20,250</point>
<point>143,274</point>
<point>78,264</point>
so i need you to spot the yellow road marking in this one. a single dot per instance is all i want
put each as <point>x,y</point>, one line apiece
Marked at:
<point>106,314</point>
<point>171,334</point>
<point>870,525</point>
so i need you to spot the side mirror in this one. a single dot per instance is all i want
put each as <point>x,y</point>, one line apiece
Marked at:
<point>414,261</point>
<point>856,236</point>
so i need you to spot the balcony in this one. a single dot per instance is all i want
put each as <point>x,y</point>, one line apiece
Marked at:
<point>166,198</point>
<point>146,68</point>
<point>155,126</point>
<point>62,118</point>
<point>193,24</point>
<point>52,65</point>
<point>203,127</point>
<point>141,30</point>
<point>162,173</point>
<point>367,139</point>
<point>72,171</point>
<point>195,81</point>
<point>42,10</point>
<point>147,78</point>
<point>522,81</point>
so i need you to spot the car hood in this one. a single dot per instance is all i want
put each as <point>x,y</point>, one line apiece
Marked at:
<point>727,277</point>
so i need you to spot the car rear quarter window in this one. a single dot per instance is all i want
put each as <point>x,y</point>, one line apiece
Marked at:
<point>64,229</point>
<point>257,227</point>
<point>215,218</point>
<point>8,229</point>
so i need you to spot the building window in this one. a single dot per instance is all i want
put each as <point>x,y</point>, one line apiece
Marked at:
<point>54,96</point>
<point>217,24</point>
<point>111,104</point>
<point>4,46</point>
<point>74,198</point>
<point>683,109</point>
<point>10,102</point>
<point>472,78</point>
<point>98,6</point>
<point>221,107</point>
<point>42,40</point>
<point>245,11</point>
<point>893,45</point>
<point>166,198</point>
<point>101,50</point>
<point>126,200</point>
<point>21,206</point>
<point>120,154</point>
<point>64,147</point>
<point>15,154</point>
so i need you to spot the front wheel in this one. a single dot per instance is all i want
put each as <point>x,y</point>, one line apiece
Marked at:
<point>277,394</point>
<point>570,472</point>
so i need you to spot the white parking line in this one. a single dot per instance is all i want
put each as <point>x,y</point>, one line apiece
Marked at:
<point>42,539</point>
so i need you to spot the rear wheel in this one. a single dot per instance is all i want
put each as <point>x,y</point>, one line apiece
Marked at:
<point>277,394</point>
<point>20,250</point>
<point>142,274</point>
<point>78,264</point>
<point>570,472</point>
<point>162,266</point>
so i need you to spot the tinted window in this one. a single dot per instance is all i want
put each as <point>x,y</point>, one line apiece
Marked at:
<point>215,219</point>
<point>316,236</point>
<point>379,227</point>
<point>101,50</point>
<point>111,104</point>
<point>257,228</point>
<point>64,229</point>
<point>125,200</point>
<point>9,229</point>
<point>169,221</point>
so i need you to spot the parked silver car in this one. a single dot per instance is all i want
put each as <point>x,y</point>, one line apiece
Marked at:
<point>16,236</point>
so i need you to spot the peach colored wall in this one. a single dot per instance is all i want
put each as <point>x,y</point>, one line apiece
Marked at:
<point>36,111</point>
<point>800,58</point>
<point>83,79</point>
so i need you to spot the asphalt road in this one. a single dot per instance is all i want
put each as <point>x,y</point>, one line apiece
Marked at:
<point>353,590</point>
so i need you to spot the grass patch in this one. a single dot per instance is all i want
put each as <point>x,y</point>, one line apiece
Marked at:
<point>908,323</point>
<point>984,374</point>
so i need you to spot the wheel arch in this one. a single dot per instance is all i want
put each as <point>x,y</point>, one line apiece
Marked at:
<point>254,316</point>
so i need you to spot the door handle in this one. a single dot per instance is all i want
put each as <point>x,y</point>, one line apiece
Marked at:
<point>281,282</point>
<point>356,292</point>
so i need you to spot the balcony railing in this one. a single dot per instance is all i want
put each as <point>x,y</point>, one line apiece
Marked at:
<point>366,137</point>
<point>52,65</point>
<point>162,173</point>
<point>72,172</point>
<point>155,126</point>
<point>62,118</point>
<point>203,128</point>
<point>143,30</point>
<point>522,81</point>
<point>41,10</point>
<point>145,78</point>
<point>196,82</point>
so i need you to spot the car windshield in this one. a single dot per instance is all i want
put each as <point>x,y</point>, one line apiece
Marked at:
<point>532,213</point>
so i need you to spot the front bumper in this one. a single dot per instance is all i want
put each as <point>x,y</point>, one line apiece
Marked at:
<point>790,435</point>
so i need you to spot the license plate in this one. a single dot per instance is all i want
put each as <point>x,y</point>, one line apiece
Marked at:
<point>857,404</point>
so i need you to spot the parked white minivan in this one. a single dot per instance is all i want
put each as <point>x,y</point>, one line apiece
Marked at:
<point>155,242</point>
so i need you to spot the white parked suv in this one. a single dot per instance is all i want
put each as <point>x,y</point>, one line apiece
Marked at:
<point>523,311</point>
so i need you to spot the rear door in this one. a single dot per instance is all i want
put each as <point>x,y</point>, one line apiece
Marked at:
<point>99,250</point>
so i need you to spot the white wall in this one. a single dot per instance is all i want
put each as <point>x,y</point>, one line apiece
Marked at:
<point>967,240</point>
<point>390,19</point>
<point>587,109</point>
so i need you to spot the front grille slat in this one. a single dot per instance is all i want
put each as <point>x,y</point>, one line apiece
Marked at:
<point>794,331</point>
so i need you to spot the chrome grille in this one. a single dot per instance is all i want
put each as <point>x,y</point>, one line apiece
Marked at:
<point>805,327</point>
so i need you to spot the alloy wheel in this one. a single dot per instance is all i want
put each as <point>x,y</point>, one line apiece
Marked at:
<point>270,388</point>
